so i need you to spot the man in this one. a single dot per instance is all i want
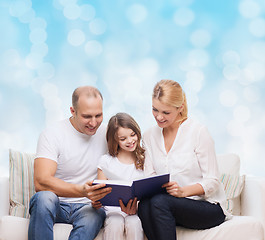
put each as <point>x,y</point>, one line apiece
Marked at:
<point>64,167</point>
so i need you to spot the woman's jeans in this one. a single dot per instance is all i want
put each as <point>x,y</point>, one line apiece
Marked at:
<point>46,210</point>
<point>162,213</point>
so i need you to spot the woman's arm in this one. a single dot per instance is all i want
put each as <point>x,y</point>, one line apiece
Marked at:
<point>205,152</point>
<point>175,190</point>
<point>148,165</point>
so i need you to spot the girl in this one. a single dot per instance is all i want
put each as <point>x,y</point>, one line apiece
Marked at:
<point>125,160</point>
<point>184,148</point>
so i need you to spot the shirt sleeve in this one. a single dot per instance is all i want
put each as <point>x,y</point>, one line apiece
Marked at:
<point>205,152</point>
<point>148,164</point>
<point>102,163</point>
<point>47,146</point>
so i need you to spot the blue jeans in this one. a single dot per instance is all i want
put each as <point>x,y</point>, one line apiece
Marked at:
<point>162,213</point>
<point>46,210</point>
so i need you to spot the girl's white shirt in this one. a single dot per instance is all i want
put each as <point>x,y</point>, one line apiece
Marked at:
<point>191,159</point>
<point>113,169</point>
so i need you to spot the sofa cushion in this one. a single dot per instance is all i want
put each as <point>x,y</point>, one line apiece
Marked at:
<point>243,228</point>
<point>239,227</point>
<point>21,183</point>
<point>233,186</point>
<point>229,168</point>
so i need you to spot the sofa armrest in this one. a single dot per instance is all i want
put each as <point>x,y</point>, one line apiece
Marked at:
<point>4,196</point>
<point>253,198</point>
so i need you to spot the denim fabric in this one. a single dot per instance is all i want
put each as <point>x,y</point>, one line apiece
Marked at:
<point>46,210</point>
<point>161,214</point>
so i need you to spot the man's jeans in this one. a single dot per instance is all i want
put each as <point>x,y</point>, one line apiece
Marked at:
<point>46,209</point>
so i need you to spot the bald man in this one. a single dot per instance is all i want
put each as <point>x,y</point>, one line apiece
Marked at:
<point>64,168</point>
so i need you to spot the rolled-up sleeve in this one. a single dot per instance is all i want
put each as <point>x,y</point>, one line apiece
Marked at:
<point>205,153</point>
<point>148,164</point>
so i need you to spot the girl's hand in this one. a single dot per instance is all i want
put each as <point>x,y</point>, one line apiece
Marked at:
<point>131,207</point>
<point>174,189</point>
<point>96,204</point>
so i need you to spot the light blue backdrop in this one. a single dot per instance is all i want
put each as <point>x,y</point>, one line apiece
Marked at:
<point>214,48</point>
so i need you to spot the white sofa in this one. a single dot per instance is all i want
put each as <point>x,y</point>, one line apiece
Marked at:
<point>249,204</point>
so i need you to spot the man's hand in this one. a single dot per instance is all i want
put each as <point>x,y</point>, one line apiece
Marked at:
<point>131,207</point>
<point>96,204</point>
<point>95,192</point>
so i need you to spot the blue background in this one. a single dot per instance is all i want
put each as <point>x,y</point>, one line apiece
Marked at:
<point>214,49</point>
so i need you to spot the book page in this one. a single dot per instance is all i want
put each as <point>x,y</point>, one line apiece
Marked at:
<point>114,182</point>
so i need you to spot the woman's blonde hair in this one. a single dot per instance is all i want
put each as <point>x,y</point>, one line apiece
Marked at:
<point>170,93</point>
<point>124,120</point>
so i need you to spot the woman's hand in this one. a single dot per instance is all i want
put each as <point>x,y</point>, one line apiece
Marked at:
<point>174,189</point>
<point>192,190</point>
<point>96,204</point>
<point>131,207</point>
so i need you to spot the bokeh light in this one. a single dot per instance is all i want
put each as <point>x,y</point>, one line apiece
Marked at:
<point>214,49</point>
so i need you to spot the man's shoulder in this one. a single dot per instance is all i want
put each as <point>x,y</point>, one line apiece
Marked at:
<point>56,127</point>
<point>101,130</point>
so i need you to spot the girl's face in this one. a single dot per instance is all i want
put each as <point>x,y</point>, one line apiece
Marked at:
<point>165,115</point>
<point>127,139</point>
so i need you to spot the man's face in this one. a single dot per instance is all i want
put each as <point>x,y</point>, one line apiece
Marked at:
<point>88,116</point>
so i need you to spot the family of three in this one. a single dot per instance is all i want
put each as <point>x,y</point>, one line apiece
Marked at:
<point>73,152</point>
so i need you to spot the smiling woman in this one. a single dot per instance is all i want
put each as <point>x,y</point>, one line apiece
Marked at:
<point>182,147</point>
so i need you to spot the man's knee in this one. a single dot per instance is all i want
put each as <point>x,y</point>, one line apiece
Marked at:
<point>88,216</point>
<point>44,200</point>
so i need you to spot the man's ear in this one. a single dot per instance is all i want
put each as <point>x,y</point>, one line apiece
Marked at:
<point>72,110</point>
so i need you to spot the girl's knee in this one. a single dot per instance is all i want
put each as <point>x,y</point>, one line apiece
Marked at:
<point>133,220</point>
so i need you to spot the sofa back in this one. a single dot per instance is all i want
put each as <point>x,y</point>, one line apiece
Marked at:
<point>229,163</point>
<point>21,183</point>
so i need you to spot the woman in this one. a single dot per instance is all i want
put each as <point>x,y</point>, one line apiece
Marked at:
<point>182,147</point>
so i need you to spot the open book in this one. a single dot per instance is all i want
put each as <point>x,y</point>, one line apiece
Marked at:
<point>126,190</point>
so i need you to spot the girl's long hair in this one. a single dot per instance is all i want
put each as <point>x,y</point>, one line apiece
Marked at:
<point>124,120</point>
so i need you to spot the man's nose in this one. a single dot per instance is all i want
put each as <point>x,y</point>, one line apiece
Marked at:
<point>93,122</point>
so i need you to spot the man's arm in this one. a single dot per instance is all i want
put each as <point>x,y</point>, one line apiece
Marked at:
<point>45,180</point>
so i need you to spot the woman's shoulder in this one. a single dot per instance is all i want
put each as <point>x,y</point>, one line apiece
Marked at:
<point>193,123</point>
<point>195,127</point>
<point>155,130</point>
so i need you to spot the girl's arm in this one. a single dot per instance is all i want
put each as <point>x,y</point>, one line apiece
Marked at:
<point>101,175</point>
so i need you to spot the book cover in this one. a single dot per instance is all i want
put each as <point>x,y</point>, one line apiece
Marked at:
<point>126,190</point>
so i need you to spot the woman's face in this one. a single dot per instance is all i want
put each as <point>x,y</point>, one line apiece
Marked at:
<point>127,139</point>
<point>164,115</point>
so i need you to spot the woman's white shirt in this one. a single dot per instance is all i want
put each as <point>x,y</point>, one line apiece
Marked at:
<point>191,159</point>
